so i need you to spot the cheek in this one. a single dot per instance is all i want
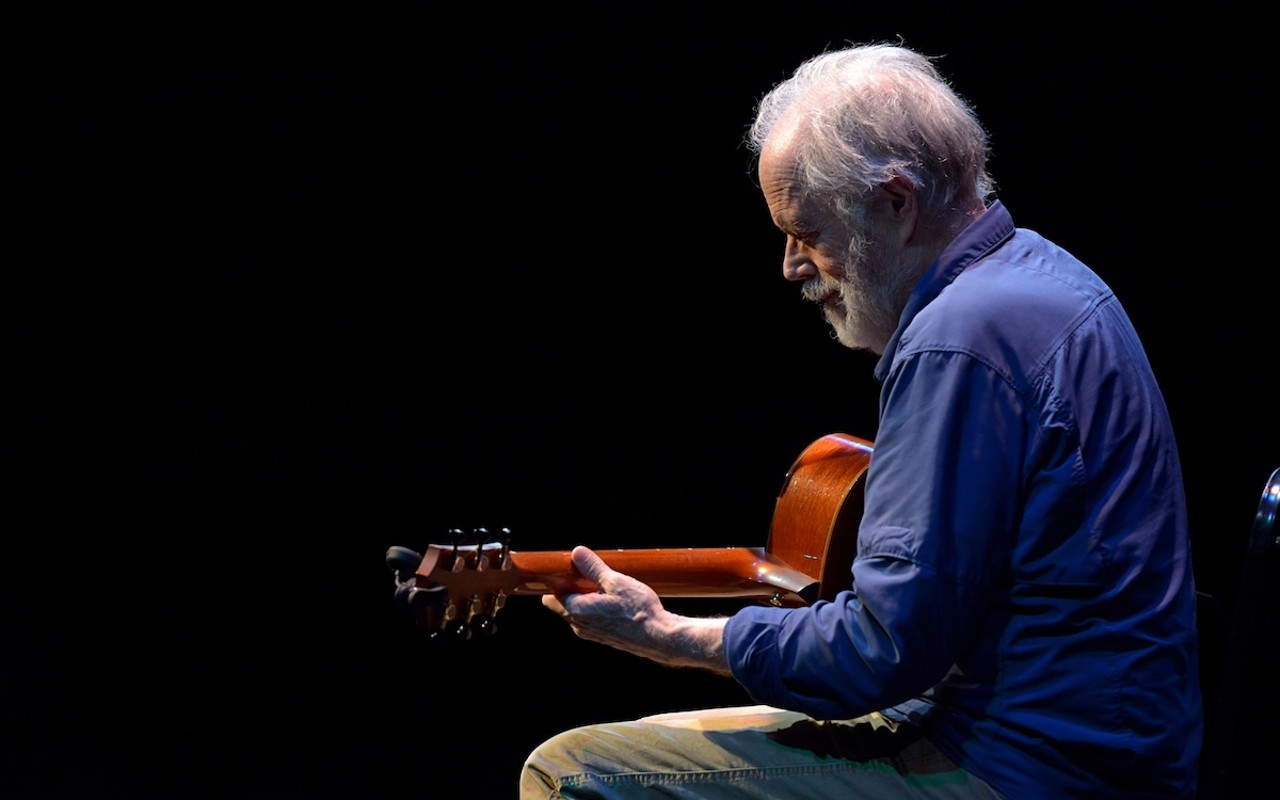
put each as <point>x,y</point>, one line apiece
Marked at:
<point>829,264</point>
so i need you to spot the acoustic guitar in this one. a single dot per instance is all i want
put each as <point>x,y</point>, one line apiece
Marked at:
<point>459,588</point>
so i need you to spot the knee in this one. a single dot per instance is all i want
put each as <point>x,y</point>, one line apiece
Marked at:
<point>545,767</point>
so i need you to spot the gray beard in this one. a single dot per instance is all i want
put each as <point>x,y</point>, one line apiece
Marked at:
<point>871,297</point>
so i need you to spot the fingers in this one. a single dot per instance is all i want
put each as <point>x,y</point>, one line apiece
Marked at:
<point>553,603</point>
<point>556,604</point>
<point>593,568</point>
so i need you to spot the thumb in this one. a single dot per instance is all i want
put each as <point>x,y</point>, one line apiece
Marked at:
<point>589,564</point>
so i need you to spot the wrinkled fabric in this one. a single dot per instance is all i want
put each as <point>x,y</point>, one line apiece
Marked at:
<point>1023,583</point>
<point>748,753</point>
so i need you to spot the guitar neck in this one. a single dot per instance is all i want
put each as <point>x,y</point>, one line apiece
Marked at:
<point>812,542</point>
<point>468,582</point>
<point>745,572</point>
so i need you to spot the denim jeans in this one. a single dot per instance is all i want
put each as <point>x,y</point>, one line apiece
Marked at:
<point>747,753</point>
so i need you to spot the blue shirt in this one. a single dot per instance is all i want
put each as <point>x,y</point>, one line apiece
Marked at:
<point>1023,568</point>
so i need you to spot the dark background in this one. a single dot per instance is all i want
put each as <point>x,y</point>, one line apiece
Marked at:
<point>285,288</point>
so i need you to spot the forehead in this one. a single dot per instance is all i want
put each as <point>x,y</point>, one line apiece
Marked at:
<point>793,210</point>
<point>780,174</point>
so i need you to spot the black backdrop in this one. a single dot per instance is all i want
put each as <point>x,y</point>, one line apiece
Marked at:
<point>284,288</point>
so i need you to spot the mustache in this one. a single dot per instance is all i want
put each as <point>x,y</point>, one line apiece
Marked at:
<point>817,289</point>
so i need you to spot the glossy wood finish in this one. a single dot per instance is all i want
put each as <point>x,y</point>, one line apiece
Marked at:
<point>812,541</point>
<point>816,517</point>
<point>747,572</point>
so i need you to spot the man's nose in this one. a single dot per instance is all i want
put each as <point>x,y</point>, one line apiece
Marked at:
<point>796,263</point>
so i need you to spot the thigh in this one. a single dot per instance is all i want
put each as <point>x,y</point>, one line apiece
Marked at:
<point>747,753</point>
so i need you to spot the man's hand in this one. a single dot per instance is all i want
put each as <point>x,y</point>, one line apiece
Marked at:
<point>628,615</point>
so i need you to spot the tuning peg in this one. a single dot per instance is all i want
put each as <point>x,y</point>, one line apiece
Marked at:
<point>480,537</point>
<point>504,558</point>
<point>403,562</point>
<point>457,631</point>
<point>404,593</point>
<point>417,599</point>
<point>488,624</point>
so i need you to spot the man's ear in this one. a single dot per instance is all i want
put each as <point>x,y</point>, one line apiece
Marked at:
<point>899,207</point>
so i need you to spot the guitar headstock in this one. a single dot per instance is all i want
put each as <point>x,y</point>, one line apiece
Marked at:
<point>457,589</point>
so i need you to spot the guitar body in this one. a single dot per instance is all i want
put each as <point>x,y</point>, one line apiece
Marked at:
<point>816,517</point>
<point>809,555</point>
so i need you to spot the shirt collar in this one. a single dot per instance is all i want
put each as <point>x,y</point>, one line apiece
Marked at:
<point>976,241</point>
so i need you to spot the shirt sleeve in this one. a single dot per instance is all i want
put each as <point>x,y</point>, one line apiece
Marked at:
<point>938,521</point>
